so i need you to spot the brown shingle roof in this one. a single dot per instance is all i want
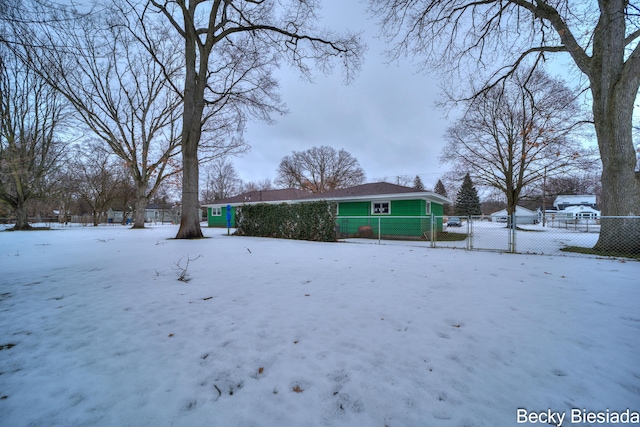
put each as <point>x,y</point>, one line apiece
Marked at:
<point>370,189</point>
<point>291,194</point>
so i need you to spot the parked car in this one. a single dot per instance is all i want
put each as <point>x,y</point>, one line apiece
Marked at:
<point>454,221</point>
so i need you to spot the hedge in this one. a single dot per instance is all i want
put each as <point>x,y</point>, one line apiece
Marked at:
<point>314,221</point>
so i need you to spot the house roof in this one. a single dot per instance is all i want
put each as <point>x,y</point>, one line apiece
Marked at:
<point>262,196</point>
<point>578,209</point>
<point>577,199</point>
<point>160,206</point>
<point>371,191</point>
<point>520,211</point>
<point>377,191</point>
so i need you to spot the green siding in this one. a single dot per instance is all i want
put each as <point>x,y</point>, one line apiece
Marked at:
<point>408,207</point>
<point>389,225</point>
<point>350,226</point>
<point>221,221</point>
<point>438,211</point>
<point>354,208</point>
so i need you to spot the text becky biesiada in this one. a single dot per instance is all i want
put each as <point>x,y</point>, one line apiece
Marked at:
<point>558,418</point>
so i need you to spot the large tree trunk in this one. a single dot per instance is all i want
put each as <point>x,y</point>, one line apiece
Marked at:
<point>614,86</point>
<point>22,218</point>
<point>512,202</point>
<point>620,183</point>
<point>191,131</point>
<point>141,205</point>
<point>190,220</point>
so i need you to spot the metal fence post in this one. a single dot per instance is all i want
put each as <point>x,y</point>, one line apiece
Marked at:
<point>379,218</point>
<point>433,231</point>
<point>469,233</point>
<point>512,234</point>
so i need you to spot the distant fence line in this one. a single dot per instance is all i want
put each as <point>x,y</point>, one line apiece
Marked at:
<point>517,235</point>
<point>87,219</point>
<point>527,235</point>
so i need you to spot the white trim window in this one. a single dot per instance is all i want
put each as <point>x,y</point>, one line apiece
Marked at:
<point>216,211</point>
<point>428,208</point>
<point>380,208</point>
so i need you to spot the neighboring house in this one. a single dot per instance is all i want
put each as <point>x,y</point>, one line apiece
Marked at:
<point>523,216</point>
<point>400,211</point>
<point>154,212</point>
<point>115,215</point>
<point>580,212</point>
<point>564,201</point>
<point>573,208</point>
<point>159,212</point>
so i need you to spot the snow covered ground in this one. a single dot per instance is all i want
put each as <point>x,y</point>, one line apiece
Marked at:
<point>95,329</point>
<point>492,236</point>
<point>529,238</point>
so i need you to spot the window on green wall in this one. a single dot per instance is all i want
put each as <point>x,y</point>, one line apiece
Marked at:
<point>216,211</point>
<point>428,208</point>
<point>380,208</point>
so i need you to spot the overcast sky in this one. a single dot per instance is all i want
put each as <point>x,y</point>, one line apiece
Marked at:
<point>386,118</point>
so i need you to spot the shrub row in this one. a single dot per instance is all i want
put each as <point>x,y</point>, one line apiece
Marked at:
<point>314,221</point>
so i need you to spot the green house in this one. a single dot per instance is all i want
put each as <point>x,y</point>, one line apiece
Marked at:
<point>382,209</point>
<point>379,209</point>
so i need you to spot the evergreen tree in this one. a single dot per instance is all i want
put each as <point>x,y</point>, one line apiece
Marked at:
<point>417,183</point>
<point>440,189</point>
<point>468,202</point>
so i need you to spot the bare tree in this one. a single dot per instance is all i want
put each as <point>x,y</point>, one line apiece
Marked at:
<point>513,135</point>
<point>602,40</point>
<point>573,183</point>
<point>221,180</point>
<point>261,185</point>
<point>31,114</point>
<point>96,179</point>
<point>319,169</point>
<point>404,180</point>
<point>230,49</point>
<point>118,91</point>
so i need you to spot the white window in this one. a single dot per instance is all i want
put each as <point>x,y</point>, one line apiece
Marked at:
<point>216,211</point>
<point>428,208</point>
<point>380,208</point>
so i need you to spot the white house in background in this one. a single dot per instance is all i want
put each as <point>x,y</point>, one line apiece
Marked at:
<point>154,212</point>
<point>523,216</point>
<point>573,208</point>
<point>580,212</point>
<point>564,201</point>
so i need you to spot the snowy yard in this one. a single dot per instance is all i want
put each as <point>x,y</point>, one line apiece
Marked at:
<point>529,238</point>
<point>95,329</point>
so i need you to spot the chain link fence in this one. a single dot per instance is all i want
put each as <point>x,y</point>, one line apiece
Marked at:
<point>519,234</point>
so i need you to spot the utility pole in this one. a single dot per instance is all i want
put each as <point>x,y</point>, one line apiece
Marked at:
<point>544,195</point>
